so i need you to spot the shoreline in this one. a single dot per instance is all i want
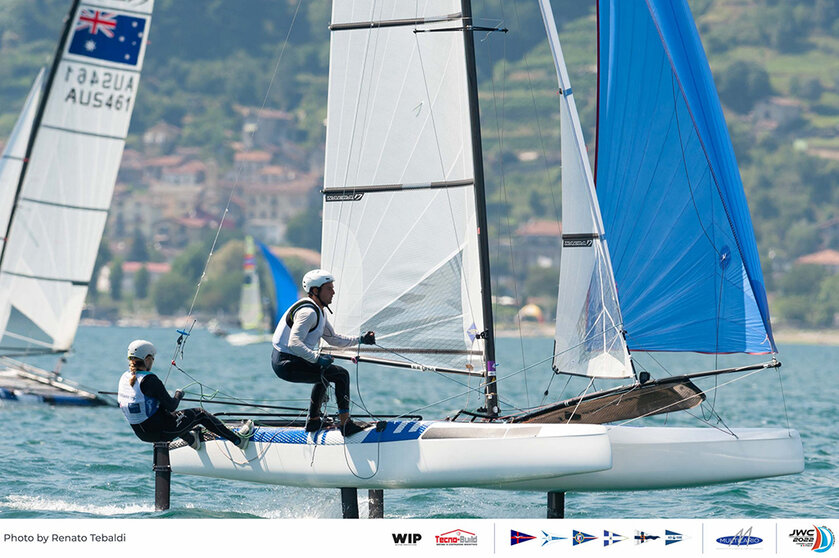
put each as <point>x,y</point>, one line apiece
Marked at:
<point>783,335</point>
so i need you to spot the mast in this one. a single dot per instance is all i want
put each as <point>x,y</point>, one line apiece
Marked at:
<point>37,121</point>
<point>488,335</point>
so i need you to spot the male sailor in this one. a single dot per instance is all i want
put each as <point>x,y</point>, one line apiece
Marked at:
<point>297,357</point>
<point>150,410</point>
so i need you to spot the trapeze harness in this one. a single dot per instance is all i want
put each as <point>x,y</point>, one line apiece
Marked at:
<point>136,405</point>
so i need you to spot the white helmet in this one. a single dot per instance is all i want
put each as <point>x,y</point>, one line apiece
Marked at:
<point>316,278</point>
<point>141,348</point>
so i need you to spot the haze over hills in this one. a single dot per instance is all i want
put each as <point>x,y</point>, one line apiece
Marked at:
<point>776,65</point>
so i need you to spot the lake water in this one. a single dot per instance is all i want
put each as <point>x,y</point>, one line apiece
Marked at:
<point>86,462</point>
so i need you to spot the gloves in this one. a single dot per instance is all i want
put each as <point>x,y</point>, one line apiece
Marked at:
<point>178,395</point>
<point>368,338</point>
<point>324,361</point>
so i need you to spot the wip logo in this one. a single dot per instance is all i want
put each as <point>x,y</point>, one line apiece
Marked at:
<point>742,538</point>
<point>344,196</point>
<point>458,537</point>
<point>817,539</point>
<point>517,537</point>
<point>406,539</point>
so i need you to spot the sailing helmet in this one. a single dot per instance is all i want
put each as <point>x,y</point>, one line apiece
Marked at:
<point>141,348</point>
<point>316,278</point>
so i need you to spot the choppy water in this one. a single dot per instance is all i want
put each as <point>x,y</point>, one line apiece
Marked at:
<point>86,462</point>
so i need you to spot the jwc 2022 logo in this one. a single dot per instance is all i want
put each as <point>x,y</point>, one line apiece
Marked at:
<point>817,539</point>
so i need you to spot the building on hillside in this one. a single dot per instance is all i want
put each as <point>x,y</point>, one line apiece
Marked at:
<point>268,207</point>
<point>160,138</point>
<point>775,113</point>
<point>249,164</point>
<point>265,128</point>
<point>829,259</point>
<point>537,244</point>
<point>130,269</point>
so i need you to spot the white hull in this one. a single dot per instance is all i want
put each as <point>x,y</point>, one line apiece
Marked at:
<point>650,458</point>
<point>245,338</point>
<point>406,455</point>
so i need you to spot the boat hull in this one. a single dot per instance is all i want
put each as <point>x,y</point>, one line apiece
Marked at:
<point>28,384</point>
<point>650,458</point>
<point>407,454</point>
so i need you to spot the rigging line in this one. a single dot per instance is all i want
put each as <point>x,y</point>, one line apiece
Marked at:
<point>500,132</point>
<point>235,183</point>
<point>443,174</point>
<point>580,401</point>
<point>538,121</point>
<point>716,387</point>
<point>468,387</point>
<point>685,167</point>
<point>783,396</point>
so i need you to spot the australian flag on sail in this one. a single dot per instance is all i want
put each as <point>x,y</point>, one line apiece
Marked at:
<point>108,36</point>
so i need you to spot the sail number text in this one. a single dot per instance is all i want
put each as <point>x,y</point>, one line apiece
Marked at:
<point>95,88</point>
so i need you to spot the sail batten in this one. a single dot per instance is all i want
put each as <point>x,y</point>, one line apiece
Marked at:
<point>61,198</point>
<point>589,336</point>
<point>683,247</point>
<point>400,222</point>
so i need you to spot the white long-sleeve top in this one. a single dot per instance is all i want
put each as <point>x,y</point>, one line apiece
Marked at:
<point>303,341</point>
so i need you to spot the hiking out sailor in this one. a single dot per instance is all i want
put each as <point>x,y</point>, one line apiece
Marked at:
<point>150,410</point>
<point>297,356</point>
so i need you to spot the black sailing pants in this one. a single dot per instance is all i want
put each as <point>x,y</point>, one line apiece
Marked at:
<point>294,369</point>
<point>165,427</point>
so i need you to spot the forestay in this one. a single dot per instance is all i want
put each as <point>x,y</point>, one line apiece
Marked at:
<point>399,225</point>
<point>672,201</point>
<point>65,190</point>
<point>589,339</point>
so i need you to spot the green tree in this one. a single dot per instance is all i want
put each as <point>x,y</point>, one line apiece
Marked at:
<point>116,279</point>
<point>304,229</point>
<point>803,280</point>
<point>141,283</point>
<point>139,251</point>
<point>741,84</point>
<point>172,293</point>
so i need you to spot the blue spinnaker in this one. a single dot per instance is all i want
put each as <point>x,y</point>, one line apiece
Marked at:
<point>285,289</point>
<point>674,211</point>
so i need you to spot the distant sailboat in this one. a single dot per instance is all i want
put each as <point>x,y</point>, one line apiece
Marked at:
<point>57,178</point>
<point>404,230</point>
<point>252,317</point>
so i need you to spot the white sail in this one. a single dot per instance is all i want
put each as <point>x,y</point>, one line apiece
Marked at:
<point>589,337</point>
<point>399,221</point>
<point>14,153</point>
<point>250,302</point>
<point>65,192</point>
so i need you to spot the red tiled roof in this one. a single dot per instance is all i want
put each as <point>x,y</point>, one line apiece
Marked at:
<point>540,227</point>
<point>152,267</point>
<point>825,257</point>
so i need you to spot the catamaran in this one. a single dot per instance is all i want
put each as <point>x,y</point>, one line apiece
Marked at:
<point>405,230</point>
<point>57,177</point>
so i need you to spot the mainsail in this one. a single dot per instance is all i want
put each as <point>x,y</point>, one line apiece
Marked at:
<point>72,158</point>
<point>672,201</point>
<point>400,225</point>
<point>250,301</point>
<point>589,336</point>
<point>14,153</point>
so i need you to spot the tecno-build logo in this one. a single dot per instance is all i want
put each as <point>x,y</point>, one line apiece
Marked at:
<point>458,537</point>
<point>817,539</point>
<point>406,539</point>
